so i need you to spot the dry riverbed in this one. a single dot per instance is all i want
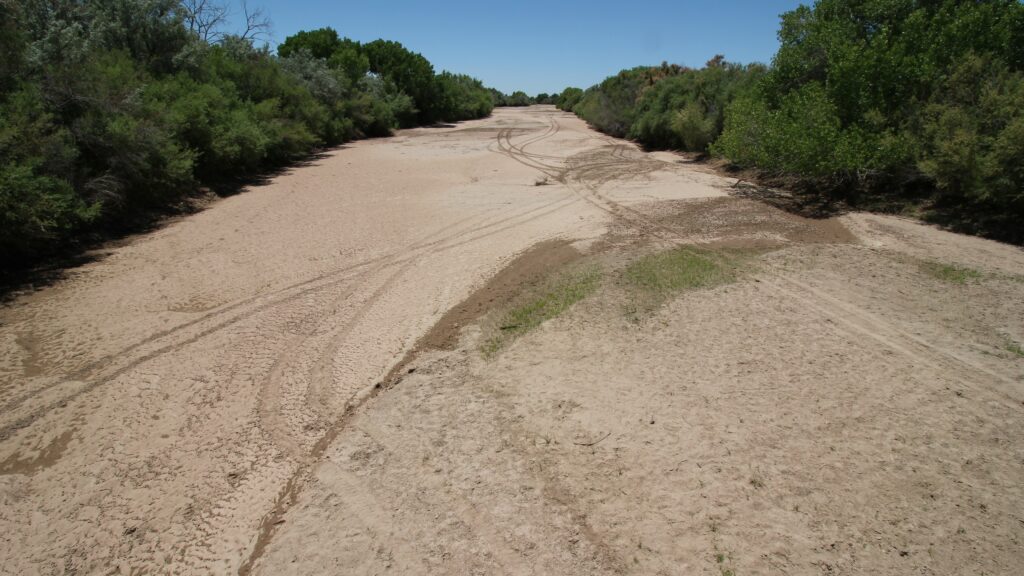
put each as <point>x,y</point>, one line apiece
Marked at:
<point>517,346</point>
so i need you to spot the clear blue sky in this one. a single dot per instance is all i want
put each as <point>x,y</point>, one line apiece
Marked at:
<point>544,46</point>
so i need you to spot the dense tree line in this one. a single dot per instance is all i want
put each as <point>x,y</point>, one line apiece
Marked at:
<point>520,98</point>
<point>517,98</point>
<point>904,102</point>
<point>112,110</point>
<point>667,106</point>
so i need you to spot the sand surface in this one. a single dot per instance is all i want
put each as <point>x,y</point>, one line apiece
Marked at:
<point>291,381</point>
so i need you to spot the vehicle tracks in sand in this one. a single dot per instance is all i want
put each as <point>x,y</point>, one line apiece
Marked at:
<point>585,179</point>
<point>580,178</point>
<point>514,150</point>
<point>304,385</point>
<point>95,374</point>
<point>295,395</point>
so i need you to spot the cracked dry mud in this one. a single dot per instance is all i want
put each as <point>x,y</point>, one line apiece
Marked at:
<point>290,382</point>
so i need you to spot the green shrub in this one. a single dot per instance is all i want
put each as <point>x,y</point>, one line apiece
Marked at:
<point>111,110</point>
<point>518,98</point>
<point>611,105</point>
<point>973,145</point>
<point>569,98</point>
<point>694,128</point>
<point>686,108</point>
<point>877,97</point>
<point>461,97</point>
<point>35,211</point>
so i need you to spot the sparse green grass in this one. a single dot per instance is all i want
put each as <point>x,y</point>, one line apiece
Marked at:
<point>720,558</point>
<point>680,269</point>
<point>1012,347</point>
<point>555,298</point>
<point>950,272</point>
<point>655,277</point>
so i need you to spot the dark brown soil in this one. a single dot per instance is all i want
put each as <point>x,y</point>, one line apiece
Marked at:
<point>527,270</point>
<point>742,220</point>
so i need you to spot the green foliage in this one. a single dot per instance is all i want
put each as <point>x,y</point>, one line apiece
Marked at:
<point>683,268</point>
<point>665,106</point>
<point>950,272</point>
<point>518,98</point>
<point>402,84</point>
<point>866,96</point>
<point>801,136</point>
<point>655,278</point>
<point>37,203</point>
<point>321,43</point>
<point>546,303</point>
<point>411,73</point>
<point>36,209</point>
<point>972,142</point>
<point>880,101</point>
<point>611,105</point>
<point>12,45</point>
<point>461,97</point>
<point>686,110</point>
<point>569,98</point>
<point>498,98</point>
<point>545,98</point>
<point>1012,347</point>
<point>111,110</point>
<point>694,127</point>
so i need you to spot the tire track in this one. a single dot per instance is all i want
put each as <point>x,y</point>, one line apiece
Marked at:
<point>507,150</point>
<point>580,173</point>
<point>854,320</point>
<point>96,381</point>
<point>319,384</point>
<point>580,180</point>
<point>274,425</point>
<point>90,370</point>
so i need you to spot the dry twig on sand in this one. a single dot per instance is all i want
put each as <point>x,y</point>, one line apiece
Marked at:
<point>595,442</point>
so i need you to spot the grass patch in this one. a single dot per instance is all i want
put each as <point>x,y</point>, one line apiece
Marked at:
<point>950,272</point>
<point>683,268</point>
<point>655,277</point>
<point>1012,347</point>
<point>549,302</point>
<point>720,559</point>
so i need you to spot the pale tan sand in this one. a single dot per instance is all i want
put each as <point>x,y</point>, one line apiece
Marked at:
<point>158,402</point>
<point>203,399</point>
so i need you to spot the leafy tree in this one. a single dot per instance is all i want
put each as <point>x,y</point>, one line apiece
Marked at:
<point>902,91</point>
<point>545,98</point>
<point>113,110</point>
<point>462,97</point>
<point>568,99</point>
<point>686,110</point>
<point>972,145</point>
<point>498,98</point>
<point>321,43</point>
<point>611,105</point>
<point>519,98</point>
<point>410,72</point>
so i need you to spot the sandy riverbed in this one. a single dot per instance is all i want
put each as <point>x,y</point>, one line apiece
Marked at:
<point>206,399</point>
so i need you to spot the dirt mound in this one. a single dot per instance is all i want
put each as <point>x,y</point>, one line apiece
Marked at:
<point>742,222</point>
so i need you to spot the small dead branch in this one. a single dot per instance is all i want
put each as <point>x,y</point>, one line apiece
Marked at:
<point>595,442</point>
